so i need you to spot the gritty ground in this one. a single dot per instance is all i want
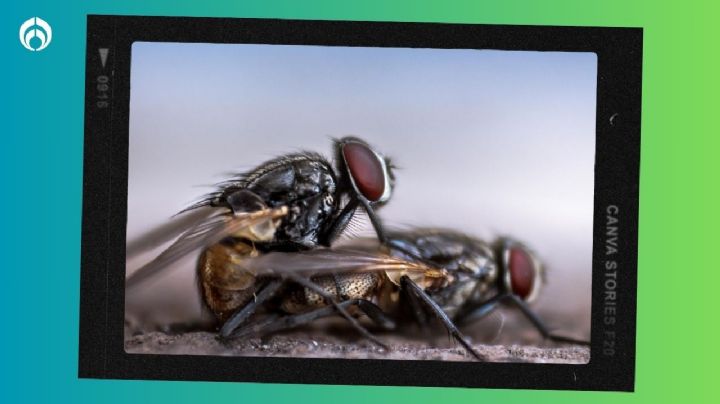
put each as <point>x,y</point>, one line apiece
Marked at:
<point>308,343</point>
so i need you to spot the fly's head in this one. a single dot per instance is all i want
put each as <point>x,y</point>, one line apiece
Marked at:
<point>364,171</point>
<point>521,272</point>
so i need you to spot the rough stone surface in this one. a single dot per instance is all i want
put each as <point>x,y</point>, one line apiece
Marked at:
<point>303,344</point>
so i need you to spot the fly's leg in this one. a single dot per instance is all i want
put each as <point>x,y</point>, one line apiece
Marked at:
<point>242,314</point>
<point>488,306</point>
<point>375,313</point>
<point>336,227</point>
<point>433,307</point>
<point>539,324</point>
<point>471,313</point>
<point>339,223</point>
<point>385,240</point>
<point>418,311</point>
<point>253,328</point>
<point>375,220</point>
<point>333,231</point>
<point>274,324</point>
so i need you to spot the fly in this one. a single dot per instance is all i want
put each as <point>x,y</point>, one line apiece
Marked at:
<point>295,202</point>
<point>456,280</point>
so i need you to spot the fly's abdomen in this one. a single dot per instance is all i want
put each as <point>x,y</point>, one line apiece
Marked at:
<point>223,288</point>
<point>341,287</point>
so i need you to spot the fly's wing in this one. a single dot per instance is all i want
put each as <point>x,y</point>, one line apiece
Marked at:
<point>209,229</point>
<point>170,230</point>
<point>331,261</point>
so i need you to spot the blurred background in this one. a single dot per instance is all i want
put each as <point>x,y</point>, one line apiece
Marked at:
<point>487,142</point>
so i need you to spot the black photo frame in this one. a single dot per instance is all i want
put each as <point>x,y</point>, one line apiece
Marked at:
<point>619,55</point>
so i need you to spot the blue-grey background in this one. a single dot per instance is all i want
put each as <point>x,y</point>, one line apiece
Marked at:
<point>488,142</point>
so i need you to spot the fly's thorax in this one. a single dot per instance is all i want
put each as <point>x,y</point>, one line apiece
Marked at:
<point>222,286</point>
<point>459,293</point>
<point>307,186</point>
<point>305,183</point>
<point>476,276</point>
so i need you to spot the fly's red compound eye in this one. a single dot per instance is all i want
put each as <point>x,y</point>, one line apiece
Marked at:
<point>367,170</point>
<point>522,270</point>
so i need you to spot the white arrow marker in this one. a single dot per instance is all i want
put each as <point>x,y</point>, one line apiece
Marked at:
<point>103,56</point>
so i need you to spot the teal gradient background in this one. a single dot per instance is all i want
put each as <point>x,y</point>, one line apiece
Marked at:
<point>41,175</point>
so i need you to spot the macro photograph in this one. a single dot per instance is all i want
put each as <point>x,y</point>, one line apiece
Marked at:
<point>360,202</point>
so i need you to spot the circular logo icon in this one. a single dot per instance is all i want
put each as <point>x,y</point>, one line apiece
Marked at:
<point>35,34</point>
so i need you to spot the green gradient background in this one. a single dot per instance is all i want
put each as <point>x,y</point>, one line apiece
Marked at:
<point>41,175</point>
